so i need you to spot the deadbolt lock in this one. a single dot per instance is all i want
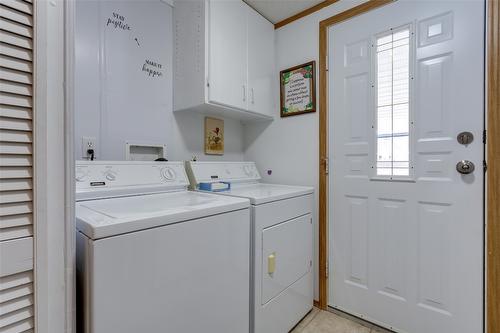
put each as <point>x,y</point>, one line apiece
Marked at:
<point>465,167</point>
<point>464,138</point>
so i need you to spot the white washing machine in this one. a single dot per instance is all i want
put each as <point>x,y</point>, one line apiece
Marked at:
<point>154,257</point>
<point>282,236</point>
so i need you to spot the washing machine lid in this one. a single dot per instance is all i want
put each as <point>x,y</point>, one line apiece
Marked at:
<point>260,193</point>
<point>114,216</point>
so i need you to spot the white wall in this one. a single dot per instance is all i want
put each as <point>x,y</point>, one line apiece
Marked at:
<point>116,102</point>
<point>188,131</point>
<point>290,146</point>
<point>87,87</point>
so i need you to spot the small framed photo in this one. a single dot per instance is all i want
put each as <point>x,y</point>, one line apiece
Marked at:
<point>297,90</point>
<point>214,136</point>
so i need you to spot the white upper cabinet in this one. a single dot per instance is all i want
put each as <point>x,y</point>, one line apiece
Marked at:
<point>261,78</point>
<point>224,60</point>
<point>227,69</point>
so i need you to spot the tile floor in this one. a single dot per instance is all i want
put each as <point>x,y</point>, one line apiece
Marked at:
<point>319,321</point>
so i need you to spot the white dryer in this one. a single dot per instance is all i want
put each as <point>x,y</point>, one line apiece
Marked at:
<point>154,257</point>
<point>282,236</point>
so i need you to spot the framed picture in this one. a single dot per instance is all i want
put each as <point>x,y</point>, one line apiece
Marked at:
<point>214,136</point>
<point>297,90</point>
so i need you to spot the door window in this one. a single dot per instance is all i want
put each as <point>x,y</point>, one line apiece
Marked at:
<point>392,78</point>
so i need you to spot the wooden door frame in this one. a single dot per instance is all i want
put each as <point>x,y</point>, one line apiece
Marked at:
<point>493,163</point>
<point>492,241</point>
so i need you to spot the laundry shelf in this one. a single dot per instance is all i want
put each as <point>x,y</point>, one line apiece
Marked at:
<point>216,110</point>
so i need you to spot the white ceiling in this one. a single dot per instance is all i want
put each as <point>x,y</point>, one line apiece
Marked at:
<point>278,10</point>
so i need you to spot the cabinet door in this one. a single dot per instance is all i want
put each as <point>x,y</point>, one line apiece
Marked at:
<point>260,63</point>
<point>228,53</point>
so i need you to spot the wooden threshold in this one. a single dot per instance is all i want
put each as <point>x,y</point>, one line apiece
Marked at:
<point>305,12</point>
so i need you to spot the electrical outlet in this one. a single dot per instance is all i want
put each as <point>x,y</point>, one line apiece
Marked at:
<point>88,143</point>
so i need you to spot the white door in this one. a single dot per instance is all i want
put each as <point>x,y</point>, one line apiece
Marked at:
<point>228,76</point>
<point>260,63</point>
<point>406,229</point>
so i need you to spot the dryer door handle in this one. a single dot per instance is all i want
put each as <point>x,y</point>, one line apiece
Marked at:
<point>271,263</point>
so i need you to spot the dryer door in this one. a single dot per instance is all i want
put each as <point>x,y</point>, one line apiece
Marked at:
<point>287,255</point>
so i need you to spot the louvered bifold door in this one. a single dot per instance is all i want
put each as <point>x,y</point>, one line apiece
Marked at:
<point>16,166</point>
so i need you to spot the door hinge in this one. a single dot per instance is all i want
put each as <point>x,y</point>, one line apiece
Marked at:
<point>485,166</point>
<point>326,63</point>
<point>484,136</point>
<point>327,269</point>
<point>326,162</point>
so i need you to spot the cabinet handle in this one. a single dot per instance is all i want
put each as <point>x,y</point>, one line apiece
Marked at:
<point>244,93</point>
<point>253,97</point>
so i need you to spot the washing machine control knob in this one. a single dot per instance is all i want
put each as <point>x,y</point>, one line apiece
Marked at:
<point>80,175</point>
<point>110,176</point>
<point>247,170</point>
<point>168,174</point>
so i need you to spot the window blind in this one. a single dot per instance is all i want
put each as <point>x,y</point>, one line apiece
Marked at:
<point>393,98</point>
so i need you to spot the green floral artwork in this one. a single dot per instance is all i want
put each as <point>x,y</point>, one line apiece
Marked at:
<point>286,77</point>
<point>297,90</point>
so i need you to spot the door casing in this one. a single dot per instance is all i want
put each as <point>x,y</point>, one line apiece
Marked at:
<point>53,231</point>
<point>492,148</point>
